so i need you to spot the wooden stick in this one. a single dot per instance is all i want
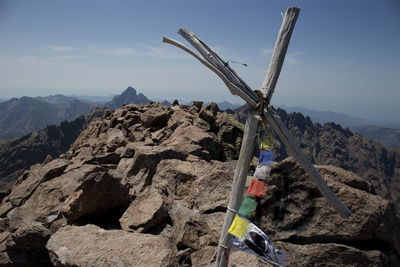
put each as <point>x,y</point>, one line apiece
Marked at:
<point>278,56</point>
<point>232,87</point>
<point>294,150</point>
<point>238,185</point>
<point>214,59</point>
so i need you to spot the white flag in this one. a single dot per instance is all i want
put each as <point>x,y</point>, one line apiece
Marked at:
<point>257,243</point>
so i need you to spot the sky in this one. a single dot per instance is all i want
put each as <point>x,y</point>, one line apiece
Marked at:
<point>343,55</point>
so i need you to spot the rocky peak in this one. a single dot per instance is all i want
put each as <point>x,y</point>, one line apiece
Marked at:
<point>149,184</point>
<point>129,96</point>
<point>129,91</point>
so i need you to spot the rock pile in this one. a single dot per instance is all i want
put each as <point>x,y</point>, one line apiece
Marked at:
<point>147,185</point>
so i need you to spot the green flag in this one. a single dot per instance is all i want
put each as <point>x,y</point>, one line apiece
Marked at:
<point>248,207</point>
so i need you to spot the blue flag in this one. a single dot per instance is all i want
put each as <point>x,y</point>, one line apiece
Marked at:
<point>266,157</point>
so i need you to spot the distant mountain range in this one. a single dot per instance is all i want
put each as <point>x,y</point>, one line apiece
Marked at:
<point>387,134</point>
<point>388,137</point>
<point>343,119</point>
<point>100,100</point>
<point>19,116</point>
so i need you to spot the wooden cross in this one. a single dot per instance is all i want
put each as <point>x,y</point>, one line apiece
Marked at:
<point>238,87</point>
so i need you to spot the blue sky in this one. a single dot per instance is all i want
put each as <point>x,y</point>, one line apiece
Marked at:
<point>344,55</point>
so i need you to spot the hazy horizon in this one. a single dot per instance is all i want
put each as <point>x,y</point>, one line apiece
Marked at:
<point>343,56</point>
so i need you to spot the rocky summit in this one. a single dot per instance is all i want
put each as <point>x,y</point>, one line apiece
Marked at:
<point>148,185</point>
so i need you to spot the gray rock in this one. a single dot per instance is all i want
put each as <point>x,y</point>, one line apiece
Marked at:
<point>93,246</point>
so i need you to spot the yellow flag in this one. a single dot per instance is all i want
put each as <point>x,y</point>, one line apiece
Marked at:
<point>238,227</point>
<point>267,143</point>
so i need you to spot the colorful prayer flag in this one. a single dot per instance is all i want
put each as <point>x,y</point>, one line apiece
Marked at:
<point>255,242</point>
<point>266,140</point>
<point>267,143</point>
<point>266,157</point>
<point>262,172</point>
<point>238,227</point>
<point>248,207</point>
<point>256,188</point>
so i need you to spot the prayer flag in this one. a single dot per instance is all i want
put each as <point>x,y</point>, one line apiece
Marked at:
<point>238,227</point>
<point>262,172</point>
<point>267,143</point>
<point>266,140</point>
<point>256,188</point>
<point>248,207</point>
<point>257,243</point>
<point>266,157</point>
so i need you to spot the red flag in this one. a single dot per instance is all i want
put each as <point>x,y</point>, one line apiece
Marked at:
<point>256,188</point>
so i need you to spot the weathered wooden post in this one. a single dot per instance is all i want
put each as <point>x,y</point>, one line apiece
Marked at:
<point>268,86</point>
<point>238,87</point>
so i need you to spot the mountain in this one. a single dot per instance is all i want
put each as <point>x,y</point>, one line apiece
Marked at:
<point>149,184</point>
<point>19,154</point>
<point>3,100</point>
<point>129,96</point>
<point>388,137</point>
<point>340,118</point>
<point>385,133</point>
<point>57,99</point>
<point>20,116</point>
<point>330,144</point>
<point>100,100</point>
<point>224,105</point>
<point>328,116</point>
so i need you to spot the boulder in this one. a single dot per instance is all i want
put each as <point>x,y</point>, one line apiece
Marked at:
<point>190,229</point>
<point>5,207</point>
<point>4,258</point>
<point>115,139</point>
<point>180,117</point>
<point>146,211</point>
<point>177,177</point>
<point>27,245</point>
<point>137,172</point>
<point>195,141</point>
<point>156,116</point>
<point>211,191</point>
<point>37,174</point>
<point>203,185</point>
<point>203,256</point>
<point>97,194</point>
<point>90,245</point>
<point>242,259</point>
<point>49,197</point>
<point>333,255</point>
<point>294,211</point>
